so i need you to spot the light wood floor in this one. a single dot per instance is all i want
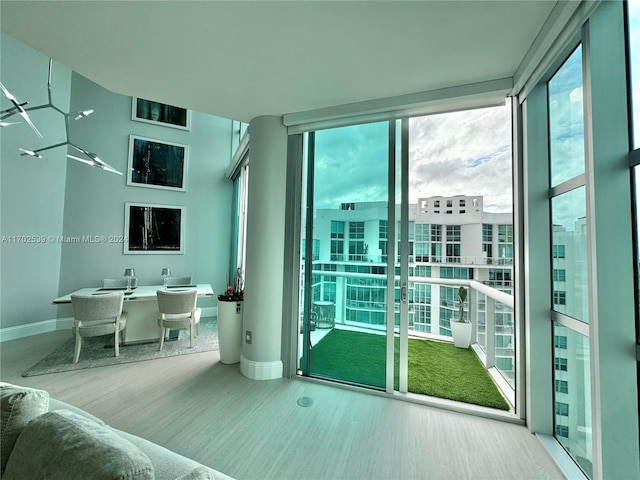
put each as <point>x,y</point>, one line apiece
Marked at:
<point>249,429</point>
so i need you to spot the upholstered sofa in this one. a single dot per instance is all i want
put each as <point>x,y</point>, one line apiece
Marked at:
<point>41,437</point>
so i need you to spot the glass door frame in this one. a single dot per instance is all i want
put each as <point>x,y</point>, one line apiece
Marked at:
<point>399,124</point>
<point>403,368</point>
<point>395,127</point>
<point>308,204</point>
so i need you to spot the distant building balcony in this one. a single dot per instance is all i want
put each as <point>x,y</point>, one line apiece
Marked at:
<point>426,259</point>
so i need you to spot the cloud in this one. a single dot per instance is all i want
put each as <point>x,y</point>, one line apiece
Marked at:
<point>460,153</point>
<point>463,153</point>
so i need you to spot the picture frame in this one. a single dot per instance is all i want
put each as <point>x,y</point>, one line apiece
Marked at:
<point>157,113</point>
<point>154,229</point>
<point>157,164</point>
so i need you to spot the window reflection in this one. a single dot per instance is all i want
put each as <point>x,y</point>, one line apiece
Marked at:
<point>569,252</point>
<point>566,122</point>
<point>572,395</point>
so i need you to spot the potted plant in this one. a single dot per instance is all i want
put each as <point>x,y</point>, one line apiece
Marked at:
<point>230,303</point>
<point>460,329</point>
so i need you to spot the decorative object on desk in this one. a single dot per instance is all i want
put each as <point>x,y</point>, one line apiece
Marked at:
<point>230,303</point>
<point>157,164</point>
<point>166,272</point>
<point>153,229</point>
<point>178,310</point>
<point>94,316</point>
<point>18,108</point>
<point>129,272</point>
<point>98,351</point>
<point>160,114</point>
<point>461,330</point>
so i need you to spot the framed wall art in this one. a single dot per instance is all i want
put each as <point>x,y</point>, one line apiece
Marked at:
<point>157,164</point>
<point>160,114</point>
<point>153,229</point>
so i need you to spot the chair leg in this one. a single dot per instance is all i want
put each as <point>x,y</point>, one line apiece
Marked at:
<point>191,332</point>
<point>198,329</point>
<point>162,332</point>
<point>76,353</point>
<point>116,342</point>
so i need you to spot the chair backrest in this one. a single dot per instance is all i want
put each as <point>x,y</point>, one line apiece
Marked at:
<point>175,302</point>
<point>97,307</point>
<point>118,282</point>
<point>178,280</point>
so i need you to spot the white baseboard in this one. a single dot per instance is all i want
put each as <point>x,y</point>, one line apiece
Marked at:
<point>45,326</point>
<point>261,370</point>
<point>35,328</point>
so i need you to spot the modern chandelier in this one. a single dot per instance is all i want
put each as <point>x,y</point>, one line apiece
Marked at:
<point>18,109</point>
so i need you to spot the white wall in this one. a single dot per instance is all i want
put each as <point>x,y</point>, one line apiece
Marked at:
<point>32,193</point>
<point>95,200</point>
<point>59,197</point>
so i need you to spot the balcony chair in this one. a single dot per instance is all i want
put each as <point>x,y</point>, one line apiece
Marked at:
<point>118,282</point>
<point>178,310</point>
<point>95,315</point>
<point>173,281</point>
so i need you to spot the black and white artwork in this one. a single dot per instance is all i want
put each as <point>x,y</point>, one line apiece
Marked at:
<point>155,229</point>
<point>157,164</point>
<point>160,113</point>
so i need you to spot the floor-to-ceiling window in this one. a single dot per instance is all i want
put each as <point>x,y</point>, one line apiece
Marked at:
<point>577,189</point>
<point>453,174</point>
<point>346,278</point>
<point>571,354</point>
<point>239,175</point>
<point>633,56</point>
<point>633,60</point>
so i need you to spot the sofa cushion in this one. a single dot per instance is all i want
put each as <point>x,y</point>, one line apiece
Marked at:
<point>55,404</point>
<point>169,465</point>
<point>204,473</point>
<point>62,445</point>
<point>18,405</point>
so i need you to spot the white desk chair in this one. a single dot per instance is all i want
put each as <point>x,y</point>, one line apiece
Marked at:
<point>95,315</point>
<point>178,310</point>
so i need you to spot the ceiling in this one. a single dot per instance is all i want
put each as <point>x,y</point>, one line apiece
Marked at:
<point>242,59</point>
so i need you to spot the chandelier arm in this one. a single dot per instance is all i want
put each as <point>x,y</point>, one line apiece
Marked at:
<point>12,110</point>
<point>94,160</point>
<point>51,147</point>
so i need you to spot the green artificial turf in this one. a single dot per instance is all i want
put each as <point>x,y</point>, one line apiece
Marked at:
<point>437,369</point>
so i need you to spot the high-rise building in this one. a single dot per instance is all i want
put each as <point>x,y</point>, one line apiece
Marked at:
<point>449,238</point>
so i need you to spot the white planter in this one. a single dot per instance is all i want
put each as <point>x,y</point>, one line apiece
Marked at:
<point>230,331</point>
<point>461,333</point>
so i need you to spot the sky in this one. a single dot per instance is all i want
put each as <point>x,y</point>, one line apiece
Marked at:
<point>461,153</point>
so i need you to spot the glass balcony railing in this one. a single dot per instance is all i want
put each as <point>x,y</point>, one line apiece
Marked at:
<point>359,301</point>
<point>420,258</point>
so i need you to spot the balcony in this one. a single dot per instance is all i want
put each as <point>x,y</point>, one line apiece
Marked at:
<point>357,307</point>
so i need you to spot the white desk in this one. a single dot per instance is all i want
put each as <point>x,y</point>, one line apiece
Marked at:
<point>141,307</point>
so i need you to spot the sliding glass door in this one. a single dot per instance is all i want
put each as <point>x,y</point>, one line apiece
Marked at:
<point>379,285</point>
<point>344,290</point>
